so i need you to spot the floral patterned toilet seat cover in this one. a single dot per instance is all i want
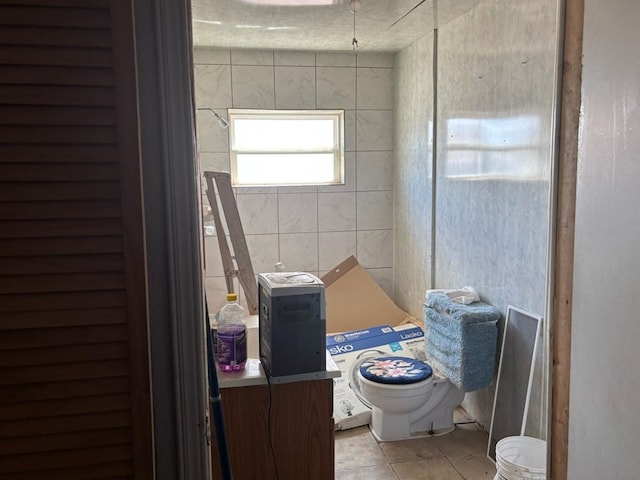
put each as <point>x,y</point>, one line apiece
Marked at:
<point>395,370</point>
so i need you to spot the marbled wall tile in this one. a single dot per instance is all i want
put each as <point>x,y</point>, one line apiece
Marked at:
<point>216,291</point>
<point>263,250</point>
<point>298,212</point>
<point>375,88</point>
<point>336,212</point>
<point>255,190</point>
<point>336,87</point>
<point>258,213</point>
<point>501,76</point>
<point>374,170</point>
<point>213,86</point>
<point>214,162</point>
<point>374,210</point>
<point>412,175</point>
<point>299,251</point>
<point>371,59</point>
<point>349,174</point>
<point>384,278</point>
<point>375,248</point>
<point>295,88</point>
<point>211,138</point>
<point>374,130</point>
<point>330,59</point>
<point>251,57</point>
<point>298,189</point>
<point>208,215</point>
<point>335,247</point>
<point>350,130</point>
<point>213,261</point>
<point>295,58</point>
<point>253,87</point>
<point>211,56</point>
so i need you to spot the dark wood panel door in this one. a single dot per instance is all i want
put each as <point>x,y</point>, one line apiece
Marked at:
<point>75,399</point>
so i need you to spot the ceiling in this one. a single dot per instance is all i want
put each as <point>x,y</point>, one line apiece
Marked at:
<point>320,25</point>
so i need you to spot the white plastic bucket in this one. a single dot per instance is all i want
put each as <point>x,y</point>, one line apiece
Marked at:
<point>521,458</point>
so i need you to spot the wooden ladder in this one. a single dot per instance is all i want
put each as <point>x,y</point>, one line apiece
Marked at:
<point>244,269</point>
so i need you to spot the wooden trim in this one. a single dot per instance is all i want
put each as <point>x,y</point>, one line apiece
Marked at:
<point>43,15</point>
<point>28,247</point>
<point>54,337</point>
<point>23,36</point>
<point>64,354</point>
<point>55,55</point>
<point>104,471</point>
<point>57,95</point>
<point>71,423</point>
<point>565,227</point>
<point>75,371</point>
<point>19,172</point>
<point>65,441</point>
<point>67,228</point>
<point>61,264</point>
<point>128,116</point>
<point>59,116</point>
<point>46,154</point>
<point>68,389</point>
<point>34,191</point>
<point>65,458</point>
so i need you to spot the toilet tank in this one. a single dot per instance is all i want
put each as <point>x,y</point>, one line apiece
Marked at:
<point>461,341</point>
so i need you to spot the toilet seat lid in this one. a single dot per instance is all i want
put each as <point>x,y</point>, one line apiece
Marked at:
<point>395,370</point>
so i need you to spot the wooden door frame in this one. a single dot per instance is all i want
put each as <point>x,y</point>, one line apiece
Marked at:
<point>562,275</point>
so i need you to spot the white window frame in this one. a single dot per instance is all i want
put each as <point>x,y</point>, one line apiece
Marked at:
<point>337,149</point>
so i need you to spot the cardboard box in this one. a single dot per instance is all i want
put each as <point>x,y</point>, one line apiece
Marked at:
<point>367,324</point>
<point>356,302</point>
<point>348,350</point>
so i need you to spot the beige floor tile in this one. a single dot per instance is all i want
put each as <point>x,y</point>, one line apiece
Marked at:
<point>381,472</point>
<point>357,448</point>
<point>460,415</point>
<point>432,469</point>
<point>465,440</point>
<point>410,450</point>
<point>474,467</point>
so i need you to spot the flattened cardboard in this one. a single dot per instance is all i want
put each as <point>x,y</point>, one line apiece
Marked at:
<point>354,301</point>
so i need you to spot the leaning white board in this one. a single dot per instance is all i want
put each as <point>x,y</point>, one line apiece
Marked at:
<point>520,342</point>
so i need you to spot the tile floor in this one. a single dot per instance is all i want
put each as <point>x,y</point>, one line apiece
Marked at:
<point>458,455</point>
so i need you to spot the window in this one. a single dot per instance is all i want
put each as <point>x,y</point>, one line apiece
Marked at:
<point>286,147</point>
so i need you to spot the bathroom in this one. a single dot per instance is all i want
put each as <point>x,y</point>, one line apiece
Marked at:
<point>428,199</point>
<point>104,367</point>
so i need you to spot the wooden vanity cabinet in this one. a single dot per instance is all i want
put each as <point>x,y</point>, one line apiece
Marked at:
<point>301,431</point>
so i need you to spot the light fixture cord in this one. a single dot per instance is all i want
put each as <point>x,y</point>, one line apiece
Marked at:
<point>354,42</point>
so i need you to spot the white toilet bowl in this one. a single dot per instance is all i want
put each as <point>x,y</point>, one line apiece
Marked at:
<point>410,410</point>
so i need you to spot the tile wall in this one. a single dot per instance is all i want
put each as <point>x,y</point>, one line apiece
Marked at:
<point>308,228</point>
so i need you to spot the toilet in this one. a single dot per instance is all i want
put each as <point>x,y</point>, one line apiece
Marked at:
<point>408,400</point>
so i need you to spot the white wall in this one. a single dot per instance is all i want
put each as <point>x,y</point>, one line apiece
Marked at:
<point>308,228</point>
<point>604,415</point>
